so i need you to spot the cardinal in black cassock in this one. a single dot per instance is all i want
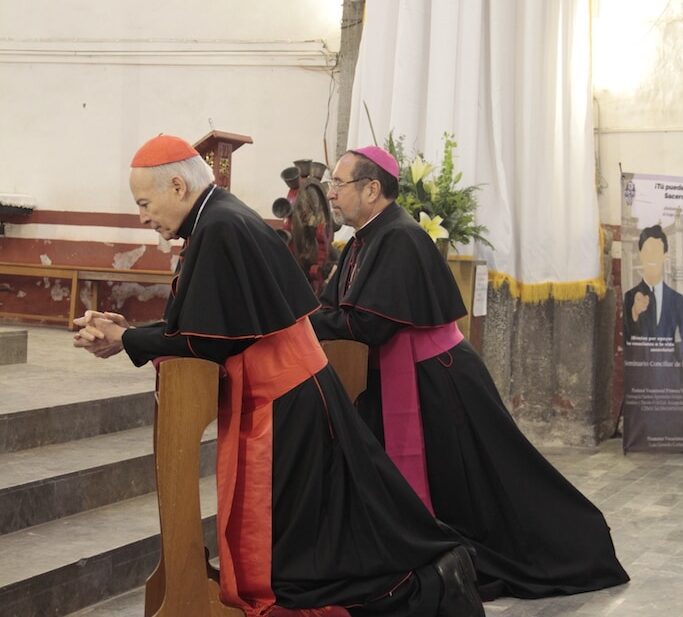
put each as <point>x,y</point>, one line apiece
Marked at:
<point>316,513</point>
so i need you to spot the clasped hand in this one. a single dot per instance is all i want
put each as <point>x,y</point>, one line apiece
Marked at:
<point>101,333</point>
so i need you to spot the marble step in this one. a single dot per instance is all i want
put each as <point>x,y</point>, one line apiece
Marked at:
<point>43,484</point>
<point>31,428</point>
<point>66,565</point>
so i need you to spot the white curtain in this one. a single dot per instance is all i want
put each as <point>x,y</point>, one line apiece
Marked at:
<point>511,80</point>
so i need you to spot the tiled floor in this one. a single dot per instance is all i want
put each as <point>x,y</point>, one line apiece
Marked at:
<point>640,494</point>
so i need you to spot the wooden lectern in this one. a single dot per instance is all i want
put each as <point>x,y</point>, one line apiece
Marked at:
<point>216,148</point>
<point>184,584</point>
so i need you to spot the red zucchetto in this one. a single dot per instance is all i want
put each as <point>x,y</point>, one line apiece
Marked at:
<point>161,150</point>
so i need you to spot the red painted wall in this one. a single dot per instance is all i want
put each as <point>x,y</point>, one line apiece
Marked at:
<point>45,300</point>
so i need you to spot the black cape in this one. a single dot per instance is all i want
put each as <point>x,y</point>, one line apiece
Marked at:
<point>347,528</point>
<point>534,533</point>
<point>394,261</point>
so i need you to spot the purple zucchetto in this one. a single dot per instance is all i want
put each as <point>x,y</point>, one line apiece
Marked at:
<point>380,157</point>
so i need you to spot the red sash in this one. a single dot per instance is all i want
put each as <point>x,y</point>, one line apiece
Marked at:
<point>244,466</point>
<point>403,434</point>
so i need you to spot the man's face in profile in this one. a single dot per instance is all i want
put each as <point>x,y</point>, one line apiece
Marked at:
<point>162,208</point>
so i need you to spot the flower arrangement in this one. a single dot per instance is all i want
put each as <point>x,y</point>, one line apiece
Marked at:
<point>432,196</point>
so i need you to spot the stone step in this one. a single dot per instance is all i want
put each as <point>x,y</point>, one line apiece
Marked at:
<point>13,346</point>
<point>129,604</point>
<point>77,507</point>
<point>31,428</point>
<point>43,484</point>
<point>66,565</point>
<point>63,393</point>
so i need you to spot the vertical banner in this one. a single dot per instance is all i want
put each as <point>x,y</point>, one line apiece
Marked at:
<point>652,280</point>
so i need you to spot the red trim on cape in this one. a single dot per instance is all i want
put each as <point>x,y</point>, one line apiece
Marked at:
<point>243,336</point>
<point>407,323</point>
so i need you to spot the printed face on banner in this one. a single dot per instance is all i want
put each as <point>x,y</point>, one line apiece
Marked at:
<point>652,257</point>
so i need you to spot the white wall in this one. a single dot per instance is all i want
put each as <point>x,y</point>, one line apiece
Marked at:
<point>638,84</point>
<point>263,20</point>
<point>83,84</point>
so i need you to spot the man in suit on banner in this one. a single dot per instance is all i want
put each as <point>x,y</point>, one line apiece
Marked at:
<point>653,309</point>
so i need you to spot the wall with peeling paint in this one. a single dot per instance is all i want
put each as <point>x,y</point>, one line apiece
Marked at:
<point>85,83</point>
<point>50,297</point>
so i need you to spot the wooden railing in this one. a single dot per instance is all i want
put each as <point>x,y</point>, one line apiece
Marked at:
<point>76,274</point>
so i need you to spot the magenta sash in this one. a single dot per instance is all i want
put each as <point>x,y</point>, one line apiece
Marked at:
<point>403,434</point>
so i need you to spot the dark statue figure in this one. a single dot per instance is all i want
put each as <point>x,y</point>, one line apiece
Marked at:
<point>308,227</point>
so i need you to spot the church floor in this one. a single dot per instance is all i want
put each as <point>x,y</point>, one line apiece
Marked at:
<point>640,494</point>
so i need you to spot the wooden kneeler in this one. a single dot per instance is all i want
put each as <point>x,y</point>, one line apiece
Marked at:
<point>349,359</point>
<point>184,584</point>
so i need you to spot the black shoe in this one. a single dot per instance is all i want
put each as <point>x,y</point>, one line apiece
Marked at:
<point>460,597</point>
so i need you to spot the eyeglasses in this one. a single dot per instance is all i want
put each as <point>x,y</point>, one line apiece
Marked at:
<point>335,185</point>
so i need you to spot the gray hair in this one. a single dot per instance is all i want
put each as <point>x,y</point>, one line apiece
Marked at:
<point>194,171</point>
